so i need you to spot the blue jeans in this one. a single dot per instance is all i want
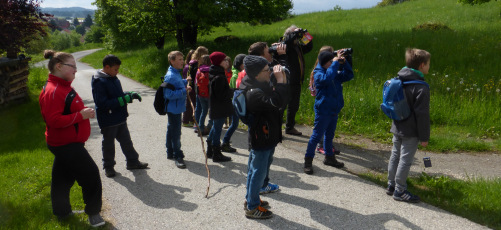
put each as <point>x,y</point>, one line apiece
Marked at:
<point>257,171</point>
<point>232,128</point>
<point>324,124</point>
<point>201,111</point>
<point>173,141</point>
<point>402,156</point>
<point>215,132</point>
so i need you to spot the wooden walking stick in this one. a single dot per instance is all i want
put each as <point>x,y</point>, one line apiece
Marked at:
<point>203,146</point>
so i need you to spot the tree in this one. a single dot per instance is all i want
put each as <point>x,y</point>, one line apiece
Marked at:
<point>20,22</point>
<point>75,22</point>
<point>94,35</point>
<point>153,20</point>
<point>87,21</point>
<point>80,29</point>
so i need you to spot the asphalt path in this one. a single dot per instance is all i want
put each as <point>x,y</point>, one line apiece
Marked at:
<point>165,197</point>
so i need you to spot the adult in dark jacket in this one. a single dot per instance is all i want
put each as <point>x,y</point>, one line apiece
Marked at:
<point>328,103</point>
<point>220,106</point>
<point>68,128</point>
<point>295,60</point>
<point>263,102</point>
<point>111,110</point>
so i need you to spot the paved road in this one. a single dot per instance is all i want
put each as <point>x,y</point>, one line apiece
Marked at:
<point>165,197</point>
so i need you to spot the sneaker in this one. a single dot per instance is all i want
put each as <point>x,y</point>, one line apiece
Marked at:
<point>138,165</point>
<point>225,147</point>
<point>96,220</point>
<point>110,172</point>
<point>322,151</point>
<point>405,196</point>
<point>263,204</point>
<point>390,190</point>
<point>293,131</point>
<point>258,213</point>
<point>270,188</point>
<point>180,163</point>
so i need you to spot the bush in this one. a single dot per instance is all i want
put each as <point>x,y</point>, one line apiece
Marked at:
<point>95,35</point>
<point>389,2</point>
<point>431,26</point>
<point>63,40</point>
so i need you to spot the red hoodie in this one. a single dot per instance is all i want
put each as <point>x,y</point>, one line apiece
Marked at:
<point>62,129</point>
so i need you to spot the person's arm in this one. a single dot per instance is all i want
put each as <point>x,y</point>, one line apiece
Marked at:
<point>346,73</point>
<point>101,99</point>
<point>421,109</point>
<point>173,92</point>
<point>53,113</point>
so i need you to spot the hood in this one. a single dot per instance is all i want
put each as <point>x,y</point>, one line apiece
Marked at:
<point>192,62</point>
<point>216,70</point>
<point>101,74</point>
<point>409,74</point>
<point>204,68</point>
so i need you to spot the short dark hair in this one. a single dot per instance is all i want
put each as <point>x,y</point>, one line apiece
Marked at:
<point>111,60</point>
<point>258,48</point>
<point>414,57</point>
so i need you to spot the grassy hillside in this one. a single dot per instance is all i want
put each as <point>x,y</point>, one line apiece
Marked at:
<point>464,75</point>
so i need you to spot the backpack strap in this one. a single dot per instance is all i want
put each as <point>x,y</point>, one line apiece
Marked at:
<point>67,105</point>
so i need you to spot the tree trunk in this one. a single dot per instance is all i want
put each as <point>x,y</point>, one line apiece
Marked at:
<point>160,43</point>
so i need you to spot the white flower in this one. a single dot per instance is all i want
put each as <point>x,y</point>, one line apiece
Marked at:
<point>433,74</point>
<point>398,44</point>
<point>467,90</point>
<point>361,99</point>
<point>461,82</point>
<point>448,89</point>
<point>446,75</point>
<point>375,38</point>
<point>474,85</point>
<point>478,89</point>
<point>497,90</point>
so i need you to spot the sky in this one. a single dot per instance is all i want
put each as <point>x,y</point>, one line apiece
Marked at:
<point>300,6</point>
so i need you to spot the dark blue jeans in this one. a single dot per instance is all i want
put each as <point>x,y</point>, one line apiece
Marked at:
<point>324,124</point>
<point>122,134</point>
<point>201,111</point>
<point>215,132</point>
<point>258,165</point>
<point>173,141</point>
<point>232,128</point>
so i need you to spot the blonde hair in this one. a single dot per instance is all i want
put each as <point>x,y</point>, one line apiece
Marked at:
<point>188,56</point>
<point>199,52</point>
<point>55,58</point>
<point>415,57</point>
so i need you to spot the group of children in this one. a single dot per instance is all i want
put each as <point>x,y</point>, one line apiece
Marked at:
<point>207,76</point>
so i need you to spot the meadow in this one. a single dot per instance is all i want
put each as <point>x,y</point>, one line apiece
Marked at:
<point>464,40</point>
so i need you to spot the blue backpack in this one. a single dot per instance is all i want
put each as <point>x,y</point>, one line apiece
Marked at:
<point>240,106</point>
<point>394,101</point>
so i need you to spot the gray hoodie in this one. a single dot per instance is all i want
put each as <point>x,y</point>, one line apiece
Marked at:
<point>418,97</point>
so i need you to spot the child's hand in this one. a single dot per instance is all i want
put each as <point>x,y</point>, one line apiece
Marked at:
<point>188,88</point>
<point>134,95</point>
<point>279,74</point>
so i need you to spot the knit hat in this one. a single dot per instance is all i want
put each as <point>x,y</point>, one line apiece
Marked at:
<point>253,65</point>
<point>239,60</point>
<point>325,57</point>
<point>217,57</point>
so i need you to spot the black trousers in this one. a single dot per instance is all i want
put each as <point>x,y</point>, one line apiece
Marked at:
<point>292,105</point>
<point>73,163</point>
<point>122,134</point>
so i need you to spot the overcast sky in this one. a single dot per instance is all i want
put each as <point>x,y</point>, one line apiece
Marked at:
<point>300,6</point>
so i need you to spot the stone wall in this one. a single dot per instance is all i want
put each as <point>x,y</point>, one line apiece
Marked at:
<point>13,80</point>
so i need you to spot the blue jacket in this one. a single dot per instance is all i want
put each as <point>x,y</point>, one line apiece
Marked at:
<point>177,97</point>
<point>328,82</point>
<point>106,90</point>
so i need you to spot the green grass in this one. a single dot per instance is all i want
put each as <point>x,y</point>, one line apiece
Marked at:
<point>26,165</point>
<point>464,76</point>
<point>475,199</point>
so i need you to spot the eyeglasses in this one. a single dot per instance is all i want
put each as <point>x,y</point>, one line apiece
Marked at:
<point>72,66</point>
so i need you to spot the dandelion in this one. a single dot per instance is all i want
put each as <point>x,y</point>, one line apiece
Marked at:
<point>497,90</point>
<point>478,89</point>
<point>448,89</point>
<point>446,75</point>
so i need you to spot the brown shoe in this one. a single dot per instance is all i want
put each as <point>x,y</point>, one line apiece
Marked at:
<point>293,131</point>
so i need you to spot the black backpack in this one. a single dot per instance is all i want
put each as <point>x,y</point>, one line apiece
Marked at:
<point>160,103</point>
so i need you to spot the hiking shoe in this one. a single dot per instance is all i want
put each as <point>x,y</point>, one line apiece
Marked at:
<point>405,196</point>
<point>225,147</point>
<point>322,151</point>
<point>138,165</point>
<point>270,188</point>
<point>390,190</point>
<point>293,131</point>
<point>258,213</point>
<point>217,156</point>
<point>180,163</point>
<point>96,220</point>
<point>331,161</point>
<point>110,172</point>
<point>308,165</point>
<point>263,204</point>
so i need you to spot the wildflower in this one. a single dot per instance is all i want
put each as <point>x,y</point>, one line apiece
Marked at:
<point>497,90</point>
<point>433,74</point>
<point>467,90</point>
<point>478,89</point>
<point>361,99</point>
<point>446,75</point>
<point>448,88</point>
<point>461,82</point>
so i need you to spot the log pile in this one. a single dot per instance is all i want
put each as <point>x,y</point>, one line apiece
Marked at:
<point>13,80</point>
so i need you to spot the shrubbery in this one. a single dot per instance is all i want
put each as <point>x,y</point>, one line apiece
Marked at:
<point>63,40</point>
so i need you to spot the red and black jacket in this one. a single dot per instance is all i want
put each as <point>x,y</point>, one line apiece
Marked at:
<point>60,106</point>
